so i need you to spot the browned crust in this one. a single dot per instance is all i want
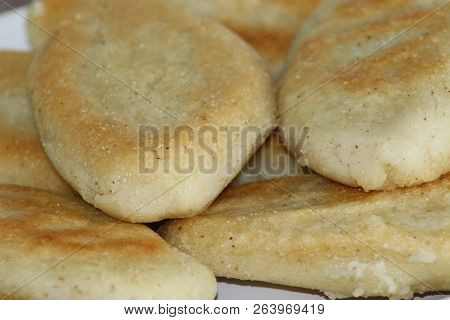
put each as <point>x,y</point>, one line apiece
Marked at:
<point>22,157</point>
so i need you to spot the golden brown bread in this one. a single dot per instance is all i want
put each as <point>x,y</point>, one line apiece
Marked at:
<point>22,158</point>
<point>268,25</point>
<point>59,248</point>
<point>89,118</point>
<point>313,233</point>
<point>371,81</point>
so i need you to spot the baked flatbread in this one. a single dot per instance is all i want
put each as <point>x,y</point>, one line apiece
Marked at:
<point>371,81</point>
<point>59,248</point>
<point>312,233</point>
<point>149,65</point>
<point>268,25</point>
<point>22,158</point>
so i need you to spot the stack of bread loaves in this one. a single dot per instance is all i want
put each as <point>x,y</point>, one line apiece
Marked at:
<point>146,110</point>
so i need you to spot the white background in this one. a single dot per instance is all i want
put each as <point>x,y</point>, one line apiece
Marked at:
<point>112,310</point>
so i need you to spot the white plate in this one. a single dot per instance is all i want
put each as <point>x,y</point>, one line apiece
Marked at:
<point>13,36</point>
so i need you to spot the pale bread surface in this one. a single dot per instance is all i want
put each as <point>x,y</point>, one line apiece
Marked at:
<point>268,25</point>
<point>22,158</point>
<point>313,233</point>
<point>371,81</point>
<point>59,248</point>
<point>195,72</point>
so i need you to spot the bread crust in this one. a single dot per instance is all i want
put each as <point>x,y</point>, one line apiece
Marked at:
<point>268,25</point>
<point>22,158</point>
<point>192,70</point>
<point>310,232</point>
<point>71,251</point>
<point>371,80</point>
